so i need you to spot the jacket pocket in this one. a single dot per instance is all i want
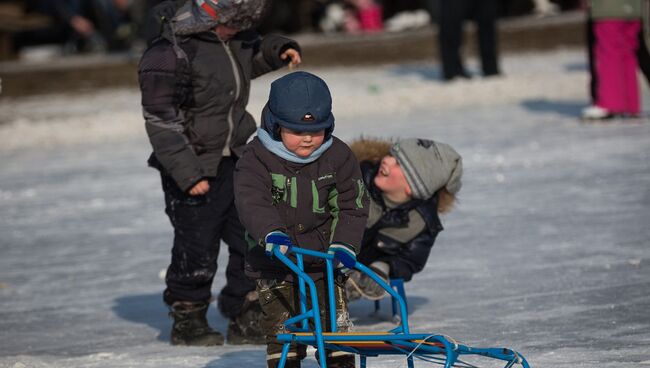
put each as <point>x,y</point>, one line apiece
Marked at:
<point>324,193</point>
<point>175,197</point>
<point>276,300</point>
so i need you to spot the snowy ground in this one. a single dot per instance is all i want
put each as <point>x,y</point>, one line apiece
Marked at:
<point>548,252</point>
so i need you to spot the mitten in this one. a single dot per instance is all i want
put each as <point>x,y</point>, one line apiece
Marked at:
<point>277,239</point>
<point>345,255</point>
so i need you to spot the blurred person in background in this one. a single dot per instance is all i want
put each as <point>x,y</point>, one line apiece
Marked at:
<point>351,16</point>
<point>614,43</point>
<point>195,81</point>
<point>452,15</point>
<point>545,8</point>
<point>80,25</point>
<point>363,16</point>
<point>643,56</point>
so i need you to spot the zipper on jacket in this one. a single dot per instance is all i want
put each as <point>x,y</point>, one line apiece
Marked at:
<point>235,70</point>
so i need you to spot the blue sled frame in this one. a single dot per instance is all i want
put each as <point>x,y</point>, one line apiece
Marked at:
<point>432,348</point>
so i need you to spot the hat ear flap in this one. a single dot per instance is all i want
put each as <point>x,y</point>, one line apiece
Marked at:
<point>329,131</point>
<point>269,123</point>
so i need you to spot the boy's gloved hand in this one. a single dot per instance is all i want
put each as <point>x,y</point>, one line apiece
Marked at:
<point>345,256</point>
<point>277,239</point>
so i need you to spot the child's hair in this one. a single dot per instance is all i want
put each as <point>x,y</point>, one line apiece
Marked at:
<point>370,148</point>
<point>446,201</point>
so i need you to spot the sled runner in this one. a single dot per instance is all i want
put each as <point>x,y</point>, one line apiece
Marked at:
<point>306,327</point>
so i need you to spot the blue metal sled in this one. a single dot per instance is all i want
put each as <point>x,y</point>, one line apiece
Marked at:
<point>306,327</point>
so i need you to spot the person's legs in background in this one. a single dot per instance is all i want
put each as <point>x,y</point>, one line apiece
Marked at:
<point>630,66</point>
<point>643,57</point>
<point>615,56</point>
<point>591,42</point>
<point>450,34</point>
<point>485,15</point>
<point>112,22</point>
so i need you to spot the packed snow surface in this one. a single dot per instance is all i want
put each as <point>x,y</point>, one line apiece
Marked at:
<point>547,252</point>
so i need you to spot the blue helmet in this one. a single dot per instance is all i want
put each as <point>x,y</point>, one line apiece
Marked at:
<point>299,101</point>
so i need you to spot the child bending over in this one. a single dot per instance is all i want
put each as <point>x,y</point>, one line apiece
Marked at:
<point>409,182</point>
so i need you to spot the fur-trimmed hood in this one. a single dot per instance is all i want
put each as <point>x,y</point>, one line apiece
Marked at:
<point>371,149</point>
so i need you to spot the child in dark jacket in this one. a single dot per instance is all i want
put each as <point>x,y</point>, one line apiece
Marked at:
<point>298,185</point>
<point>409,182</point>
<point>195,79</point>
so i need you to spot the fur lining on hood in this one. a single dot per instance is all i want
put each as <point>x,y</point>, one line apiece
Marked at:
<point>371,149</point>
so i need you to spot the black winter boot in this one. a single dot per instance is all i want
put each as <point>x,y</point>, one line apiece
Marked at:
<point>290,363</point>
<point>346,361</point>
<point>339,360</point>
<point>359,285</point>
<point>246,328</point>
<point>191,327</point>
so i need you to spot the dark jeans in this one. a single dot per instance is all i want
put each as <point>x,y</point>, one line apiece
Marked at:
<point>200,223</point>
<point>452,15</point>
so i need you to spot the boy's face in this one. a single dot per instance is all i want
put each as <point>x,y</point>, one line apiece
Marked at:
<point>302,144</point>
<point>390,177</point>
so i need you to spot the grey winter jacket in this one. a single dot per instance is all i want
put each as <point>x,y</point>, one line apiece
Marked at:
<point>316,204</point>
<point>195,89</point>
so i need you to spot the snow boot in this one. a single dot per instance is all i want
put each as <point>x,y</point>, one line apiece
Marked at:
<point>346,361</point>
<point>359,285</point>
<point>596,113</point>
<point>245,328</point>
<point>290,363</point>
<point>338,359</point>
<point>191,326</point>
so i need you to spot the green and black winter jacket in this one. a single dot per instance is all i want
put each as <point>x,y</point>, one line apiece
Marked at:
<point>316,204</point>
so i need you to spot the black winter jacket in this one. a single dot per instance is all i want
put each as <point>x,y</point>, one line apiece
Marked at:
<point>381,241</point>
<point>316,204</point>
<point>195,89</point>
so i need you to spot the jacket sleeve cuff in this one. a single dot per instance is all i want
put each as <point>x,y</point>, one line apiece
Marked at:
<point>342,245</point>
<point>273,46</point>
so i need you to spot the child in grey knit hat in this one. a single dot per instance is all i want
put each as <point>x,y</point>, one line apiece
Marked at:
<point>428,166</point>
<point>410,182</point>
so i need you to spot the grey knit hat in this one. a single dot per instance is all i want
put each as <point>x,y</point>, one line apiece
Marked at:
<point>428,166</point>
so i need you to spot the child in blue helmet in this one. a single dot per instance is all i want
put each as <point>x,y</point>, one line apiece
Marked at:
<point>297,184</point>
